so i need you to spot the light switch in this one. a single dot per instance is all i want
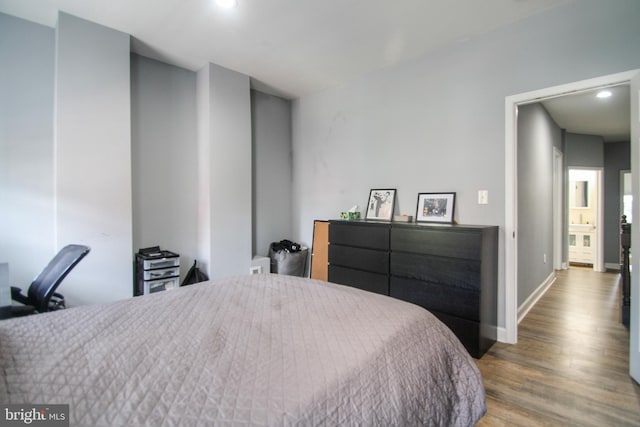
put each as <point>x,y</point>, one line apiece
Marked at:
<point>483,197</point>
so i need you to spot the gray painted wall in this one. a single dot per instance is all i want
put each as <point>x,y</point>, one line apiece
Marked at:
<point>617,157</point>
<point>437,123</point>
<point>164,158</point>
<point>538,134</point>
<point>584,151</point>
<point>224,144</point>
<point>271,121</point>
<point>92,143</point>
<point>26,147</point>
<point>165,164</point>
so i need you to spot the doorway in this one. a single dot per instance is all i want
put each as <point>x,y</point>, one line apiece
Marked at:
<point>585,218</point>
<point>510,332</point>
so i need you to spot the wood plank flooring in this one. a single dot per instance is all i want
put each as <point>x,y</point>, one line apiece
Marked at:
<point>570,365</point>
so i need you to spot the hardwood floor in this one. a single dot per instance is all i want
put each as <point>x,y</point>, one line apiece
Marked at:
<point>570,365</point>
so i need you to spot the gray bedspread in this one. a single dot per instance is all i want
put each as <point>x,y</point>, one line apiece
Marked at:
<point>248,350</point>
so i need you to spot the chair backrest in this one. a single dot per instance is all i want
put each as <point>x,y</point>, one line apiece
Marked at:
<point>43,286</point>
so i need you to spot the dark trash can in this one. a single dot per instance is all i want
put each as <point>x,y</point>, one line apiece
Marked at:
<point>194,275</point>
<point>288,258</point>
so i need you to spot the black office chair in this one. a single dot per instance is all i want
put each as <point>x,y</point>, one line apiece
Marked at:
<point>41,295</point>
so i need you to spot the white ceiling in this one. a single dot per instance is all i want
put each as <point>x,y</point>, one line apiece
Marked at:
<point>289,47</point>
<point>295,47</point>
<point>585,113</point>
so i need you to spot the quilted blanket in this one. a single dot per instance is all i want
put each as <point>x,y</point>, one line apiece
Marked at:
<point>248,350</point>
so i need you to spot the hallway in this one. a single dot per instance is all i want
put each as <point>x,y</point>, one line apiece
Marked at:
<point>570,366</point>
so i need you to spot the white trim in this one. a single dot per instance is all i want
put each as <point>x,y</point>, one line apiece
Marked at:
<point>511,197</point>
<point>634,321</point>
<point>598,264</point>
<point>511,215</point>
<point>502,334</point>
<point>535,296</point>
<point>598,256</point>
<point>558,208</point>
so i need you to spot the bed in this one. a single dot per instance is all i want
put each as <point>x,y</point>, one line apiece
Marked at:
<point>248,350</point>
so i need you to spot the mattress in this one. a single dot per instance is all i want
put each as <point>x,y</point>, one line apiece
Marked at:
<point>247,350</point>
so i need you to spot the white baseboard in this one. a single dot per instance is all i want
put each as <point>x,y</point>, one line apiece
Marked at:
<point>502,335</point>
<point>527,305</point>
<point>535,296</point>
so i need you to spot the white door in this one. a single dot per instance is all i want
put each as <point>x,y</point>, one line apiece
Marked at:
<point>634,324</point>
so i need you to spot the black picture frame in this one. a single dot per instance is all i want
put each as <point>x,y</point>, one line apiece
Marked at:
<point>381,204</point>
<point>436,207</point>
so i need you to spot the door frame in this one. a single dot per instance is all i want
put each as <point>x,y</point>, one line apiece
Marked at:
<point>621,208</point>
<point>598,256</point>
<point>558,210</point>
<point>510,332</point>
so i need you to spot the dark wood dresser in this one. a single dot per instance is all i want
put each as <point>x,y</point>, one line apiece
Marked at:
<point>451,270</point>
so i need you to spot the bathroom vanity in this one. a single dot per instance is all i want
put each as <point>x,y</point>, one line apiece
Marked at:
<point>582,243</point>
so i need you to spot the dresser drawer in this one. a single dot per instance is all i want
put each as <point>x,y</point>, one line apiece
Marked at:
<point>365,280</point>
<point>366,235</point>
<point>152,286</point>
<point>148,264</point>
<point>465,244</point>
<point>440,297</point>
<point>161,273</point>
<point>362,259</point>
<point>468,332</point>
<point>456,273</point>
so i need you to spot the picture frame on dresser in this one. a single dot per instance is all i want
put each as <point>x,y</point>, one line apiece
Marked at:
<point>435,207</point>
<point>381,204</point>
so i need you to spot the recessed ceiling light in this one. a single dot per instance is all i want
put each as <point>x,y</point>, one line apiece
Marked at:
<point>604,94</point>
<point>227,4</point>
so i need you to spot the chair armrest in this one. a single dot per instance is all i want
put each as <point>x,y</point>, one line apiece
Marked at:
<point>57,302</point>
<point>17,295</point>
<point>21,310</point>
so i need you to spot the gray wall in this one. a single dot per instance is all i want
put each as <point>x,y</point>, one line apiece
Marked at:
<point>617,157</point>
<point>224,151</point>
<point>164,158</point>
<point>26,147</point>
<point>271,121</point>
<point>92,142</point>
<point>165,161</point>
<point>166,170</point>
<point>538,134</point>
<point>437,123</point>
<point>584,151</point>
